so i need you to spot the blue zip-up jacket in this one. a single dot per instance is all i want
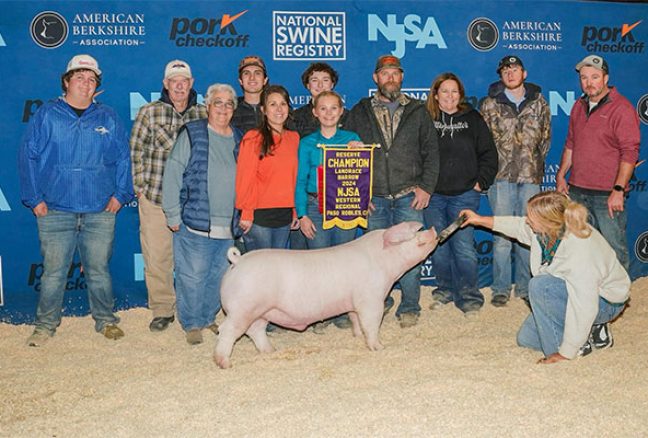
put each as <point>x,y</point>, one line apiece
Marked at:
<point>193,192</point>
<point>310,158</point>
<point>75,164</point>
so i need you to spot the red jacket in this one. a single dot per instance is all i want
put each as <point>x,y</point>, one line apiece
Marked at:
<point>602,140</point>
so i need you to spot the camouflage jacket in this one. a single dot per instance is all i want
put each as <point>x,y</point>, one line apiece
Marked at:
<point>522,136</point>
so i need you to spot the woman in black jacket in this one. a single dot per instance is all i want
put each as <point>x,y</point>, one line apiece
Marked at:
<point>468,164</point>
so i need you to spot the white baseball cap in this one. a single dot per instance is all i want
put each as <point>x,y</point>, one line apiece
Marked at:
<point>177,68</point>
<point>83,62</point>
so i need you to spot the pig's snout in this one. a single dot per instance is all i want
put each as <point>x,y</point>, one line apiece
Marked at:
<point>233,255</point>
<point>426,237</point>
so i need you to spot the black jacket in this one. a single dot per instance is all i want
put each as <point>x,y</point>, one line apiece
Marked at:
<point>467,152</point>
<point>412,159</point>
<point>246,116</point>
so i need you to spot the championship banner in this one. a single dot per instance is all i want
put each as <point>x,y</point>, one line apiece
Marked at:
<point>346,185</point>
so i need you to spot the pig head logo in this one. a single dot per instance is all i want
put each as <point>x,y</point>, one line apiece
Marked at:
<point>294,289</point>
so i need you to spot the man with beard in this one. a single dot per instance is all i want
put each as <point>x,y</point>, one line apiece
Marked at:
<point>600,152</point>
<point>520,120</point>
<point>406,165</point>
<point>152,138</point>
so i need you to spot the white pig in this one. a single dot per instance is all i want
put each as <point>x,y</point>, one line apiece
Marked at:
<point>294,288</point>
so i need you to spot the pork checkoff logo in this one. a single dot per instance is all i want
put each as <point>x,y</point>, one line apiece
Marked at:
<point>613,39</point>
<point>314,36</point>
<point>212,32</point>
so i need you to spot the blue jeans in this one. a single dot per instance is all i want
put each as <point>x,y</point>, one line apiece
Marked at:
<point>510,199</point>
<point>265,237</point>
<point>200,263</point>
<point>325,238</point>
<point>455,261</point>
<point>543,329</point>
<point>61,234</point>
<point>390,212</point>
<point>614,230</point>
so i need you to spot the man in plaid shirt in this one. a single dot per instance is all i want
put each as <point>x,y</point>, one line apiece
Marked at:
<point>152,138</point>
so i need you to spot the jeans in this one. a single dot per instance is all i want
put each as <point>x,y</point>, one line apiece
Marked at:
<point>297,240</point>
<point>61,234</point>
<point>325,238</point>
<point>200,263</point>
<point>455,261</point>
<point>510,199</point>
<point>613,229</point>
<point>543,329</point>
<point>265,237</point>
<point>390,212</point>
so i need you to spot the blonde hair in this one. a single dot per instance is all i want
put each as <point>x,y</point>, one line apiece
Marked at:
<point>556,212</point>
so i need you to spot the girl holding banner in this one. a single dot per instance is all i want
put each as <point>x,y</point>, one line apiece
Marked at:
<point>327,108</point>
<point>265,175</point>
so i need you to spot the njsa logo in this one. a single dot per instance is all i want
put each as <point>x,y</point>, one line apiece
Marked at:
<point>413,29</point>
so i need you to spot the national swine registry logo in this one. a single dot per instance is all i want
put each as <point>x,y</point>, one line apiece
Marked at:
<point>642,108</point>
<point>314,36</point>
<point>49,29</point>
<point>482,34</point>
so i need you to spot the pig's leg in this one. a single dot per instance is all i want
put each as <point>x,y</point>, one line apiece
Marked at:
<point>228,333</point>
<point>257,332</point>
<point>355,324</point>
<point>370,318</point>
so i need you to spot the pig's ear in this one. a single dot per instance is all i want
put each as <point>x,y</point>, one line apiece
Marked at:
<point>401,233</point>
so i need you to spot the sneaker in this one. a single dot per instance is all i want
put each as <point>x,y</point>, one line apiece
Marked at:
<point>499,300</point>
<point>408,320</point>
<point>320,327</point>
<point>471,314</point>
<point>343,322</point>
<point>111,331</point>
<point>389,303</point>
<point>161,323</point>
<point>585,349</point>
<point>194,337</point>
<point>601,336</point>
<point>38,338</point>
<point>213,327</point>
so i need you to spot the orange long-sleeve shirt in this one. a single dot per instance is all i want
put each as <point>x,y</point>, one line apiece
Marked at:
<point>270,182</point>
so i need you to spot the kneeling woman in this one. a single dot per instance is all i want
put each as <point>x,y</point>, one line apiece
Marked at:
<point>198,201</point>
<point>578,284</point>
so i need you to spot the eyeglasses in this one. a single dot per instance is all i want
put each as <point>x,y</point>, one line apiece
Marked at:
<point>221,104</point>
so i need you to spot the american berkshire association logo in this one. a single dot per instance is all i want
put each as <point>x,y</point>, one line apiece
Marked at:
<point>482,34</point>
<point>49,29</point>
<point>642,108</point>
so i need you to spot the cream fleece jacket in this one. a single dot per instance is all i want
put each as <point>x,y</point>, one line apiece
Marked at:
<point>590,269</point>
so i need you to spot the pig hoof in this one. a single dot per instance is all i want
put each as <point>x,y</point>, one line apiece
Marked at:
<point>222,362</point>
<point>376,347</point>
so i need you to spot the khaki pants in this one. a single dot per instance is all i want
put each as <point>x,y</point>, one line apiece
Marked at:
<point>157,250</point>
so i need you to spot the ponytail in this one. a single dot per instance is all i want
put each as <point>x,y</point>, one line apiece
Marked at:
<point>576,220</point>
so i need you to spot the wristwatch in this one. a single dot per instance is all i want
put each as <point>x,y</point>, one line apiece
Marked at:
<point>618,188</point>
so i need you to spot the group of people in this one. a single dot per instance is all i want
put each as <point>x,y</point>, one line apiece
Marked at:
<point>244,170</point>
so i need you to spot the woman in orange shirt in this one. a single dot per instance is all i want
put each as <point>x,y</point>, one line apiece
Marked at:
<point>266,175</point>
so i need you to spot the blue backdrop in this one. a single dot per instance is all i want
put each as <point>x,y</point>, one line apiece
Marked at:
<point>134,40</point>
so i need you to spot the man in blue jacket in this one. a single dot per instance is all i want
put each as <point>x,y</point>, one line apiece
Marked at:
<point>75,175</point>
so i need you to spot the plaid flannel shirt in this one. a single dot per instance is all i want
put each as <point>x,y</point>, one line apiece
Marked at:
<point>152,138</point>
